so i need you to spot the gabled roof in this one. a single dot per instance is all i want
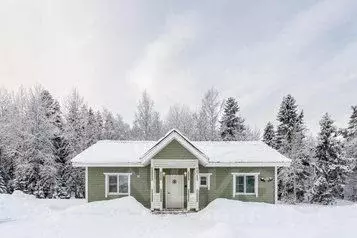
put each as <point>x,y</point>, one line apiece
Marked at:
<point>164,141</point>
<point>209,153</point>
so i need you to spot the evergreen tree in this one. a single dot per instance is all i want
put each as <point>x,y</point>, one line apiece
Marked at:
<point>122,129</point>
<point>92,133</point>
<point>269,135</point>
<point>3,188</point>
<point>109,132</point>
<point>351,153</point>
<point>76,117</point>
<point>232,125</point>
<point>99,125</point>
<point>54,115</point>
<point>295,180</point>
<point>36,174</point>
<point>291,141</point>
<point>352,124</point>
<point>351,186</point>
<point>287,118</point>
<point>331,165</point>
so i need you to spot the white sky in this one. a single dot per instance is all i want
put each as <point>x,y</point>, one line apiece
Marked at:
<point>256,51</point>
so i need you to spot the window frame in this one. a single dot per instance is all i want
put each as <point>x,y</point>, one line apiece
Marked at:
<point>117,193</point>
<point>245,175</point>
<point>208,180</point>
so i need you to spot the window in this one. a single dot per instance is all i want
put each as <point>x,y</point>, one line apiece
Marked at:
<point>205,180</point>
<point>245,184</point>
<point>117,184</point>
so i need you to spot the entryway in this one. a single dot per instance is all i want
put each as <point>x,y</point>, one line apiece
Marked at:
<point>174,184</point>
<point>174,187</point>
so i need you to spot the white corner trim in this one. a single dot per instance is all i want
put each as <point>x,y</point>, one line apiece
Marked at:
<point>256,183</point>
<point>106,179</point>
<point>86,185</point>
<point>208,179</point>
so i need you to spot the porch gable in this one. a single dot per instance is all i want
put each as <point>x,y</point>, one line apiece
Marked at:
<point>174,146</point>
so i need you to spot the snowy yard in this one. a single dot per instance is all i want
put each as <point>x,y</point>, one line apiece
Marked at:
<point>24,216</point>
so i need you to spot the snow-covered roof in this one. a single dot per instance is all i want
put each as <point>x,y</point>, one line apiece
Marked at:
<point>213,153</point>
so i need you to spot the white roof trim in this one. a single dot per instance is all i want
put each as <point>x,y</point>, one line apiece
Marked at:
<point>107,165</point>
<point>169,137</point>
<point>248,164</point>
<point>237,164</point>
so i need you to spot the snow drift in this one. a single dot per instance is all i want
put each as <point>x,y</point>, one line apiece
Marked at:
<point>126,217</point>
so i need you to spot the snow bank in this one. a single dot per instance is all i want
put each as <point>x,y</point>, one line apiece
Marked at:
<point>19,206</point>
<point>126,205</point>
<point>259,219</point>
<point>125,217</point>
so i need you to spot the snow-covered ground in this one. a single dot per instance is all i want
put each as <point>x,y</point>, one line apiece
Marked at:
<point>24,216</point>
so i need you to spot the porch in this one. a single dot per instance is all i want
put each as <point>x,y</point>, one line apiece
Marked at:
<point>174,184</point>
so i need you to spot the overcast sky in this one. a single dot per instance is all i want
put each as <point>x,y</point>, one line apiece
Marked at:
<point>256,51</point>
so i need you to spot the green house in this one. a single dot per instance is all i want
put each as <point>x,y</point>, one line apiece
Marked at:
<point>176,173</point>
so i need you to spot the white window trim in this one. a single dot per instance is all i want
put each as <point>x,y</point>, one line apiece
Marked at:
<point>208,179</point>
<point>245,174</point>
<point>107,193</point>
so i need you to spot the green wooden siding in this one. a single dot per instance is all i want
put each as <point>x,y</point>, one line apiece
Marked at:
<point>139,185</point>
<point>221,183</point>
<point>174,150</point>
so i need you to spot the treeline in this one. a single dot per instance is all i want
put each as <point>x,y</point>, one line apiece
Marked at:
<point>324,168</point>
<point>39,137</point>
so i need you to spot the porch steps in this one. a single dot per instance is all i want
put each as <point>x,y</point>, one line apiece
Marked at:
<point>171,212</point>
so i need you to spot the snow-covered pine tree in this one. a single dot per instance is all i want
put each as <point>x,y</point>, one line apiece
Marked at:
<point>122,129</point>
<point>232,125</point>
<point>351,153</point>
<point>351,186</point>
<point>76,118</point>
<point>54,115</point>
<point>331,165</point>
<point>99,125</point>
<point>13,133</point>
<point>109,132</point>
<point>91,129</point>
<point>352,124</point>
<point>3,188</point>
<point>269,135</point>
<point>295,180</point>
<point>147,123</point>
<point>36,174</point>
<point>291,141</point>
<point>287,118</point>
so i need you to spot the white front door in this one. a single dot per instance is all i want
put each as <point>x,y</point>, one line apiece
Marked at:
<point>174,191</point>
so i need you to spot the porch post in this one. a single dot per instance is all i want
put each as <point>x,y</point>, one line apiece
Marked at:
<point>188,175</point>
<point>153,184</point>
<point>197,187</point>
<point>161,189</point>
